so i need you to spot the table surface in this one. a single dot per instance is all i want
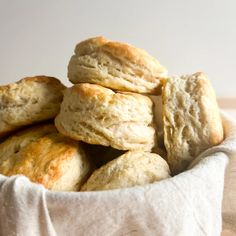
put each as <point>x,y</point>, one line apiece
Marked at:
<point>229,201</point>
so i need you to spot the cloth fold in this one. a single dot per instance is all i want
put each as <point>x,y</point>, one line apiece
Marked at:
<point>187,204</point>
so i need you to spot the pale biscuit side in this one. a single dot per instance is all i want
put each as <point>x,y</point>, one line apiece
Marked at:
<point>28,101</point>
<point>130,169</point>
<point>97,115</point>
<point>192,122</point>
<point>115,65</point>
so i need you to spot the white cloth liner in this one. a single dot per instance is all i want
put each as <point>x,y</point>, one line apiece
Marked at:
<point>187,204</point>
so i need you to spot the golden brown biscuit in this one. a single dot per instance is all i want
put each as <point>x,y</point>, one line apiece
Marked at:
<point>131,169</point>
<point>192,122</point>
<point>28,101</point>
<point>45,157</point>
<point>115,65</point>
<point>97,115</point>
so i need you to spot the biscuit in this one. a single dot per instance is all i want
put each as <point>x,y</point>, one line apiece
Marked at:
<point>192,122</point>
<point>28,101</point>
<point>98,115</point>
<point>45,157</point>
<point>115,65</point>
<point>131,169</point>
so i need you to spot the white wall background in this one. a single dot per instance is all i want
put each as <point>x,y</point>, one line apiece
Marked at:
<point>38,37</point>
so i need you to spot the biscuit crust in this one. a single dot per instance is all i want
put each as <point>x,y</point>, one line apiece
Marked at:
<point>115,65</point>
<point>192,121</point>
<point>130,169</point>
<point>29,101</point>
<point>98,115</point>
<point>45,157</point>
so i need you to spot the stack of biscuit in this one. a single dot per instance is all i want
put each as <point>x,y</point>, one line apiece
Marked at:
<point>123,123</point>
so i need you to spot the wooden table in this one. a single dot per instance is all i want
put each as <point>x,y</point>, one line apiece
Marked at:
<point>229,201</point>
